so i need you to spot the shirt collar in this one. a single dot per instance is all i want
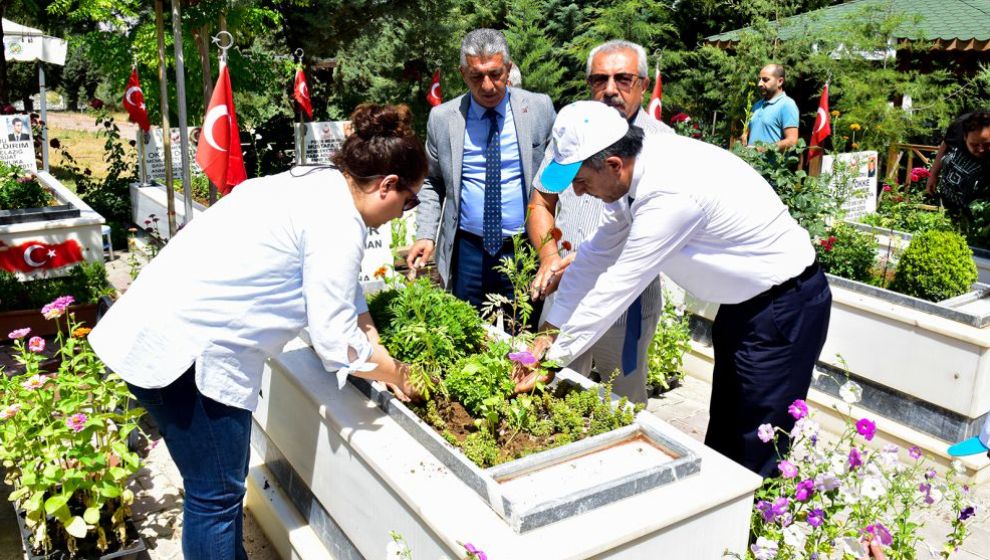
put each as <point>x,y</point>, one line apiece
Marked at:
<point>775,99</point>
<point>638,169</point>
<point>478,112</point>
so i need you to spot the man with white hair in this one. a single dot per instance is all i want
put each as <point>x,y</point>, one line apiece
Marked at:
<point>483,148</point>
<point>712,224</point>
<point>616,76</point>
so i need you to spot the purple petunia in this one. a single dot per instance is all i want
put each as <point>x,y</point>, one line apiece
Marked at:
<point>855,459</point>
<point>772,511</point>
<point>816,517</point>
<point>966,513</point>
<point>19,333</point>
<point>798,409</point>
<point>880,532</point>
<point>787,469</point>
<point>765,433</point>
<point>804,490</point>
<point>474,552</point>
<point>915,452</point>
<point>525,358</point>
<point>866,428</point>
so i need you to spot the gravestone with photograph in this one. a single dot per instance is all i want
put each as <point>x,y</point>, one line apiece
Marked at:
<point>861,169</point>
<point>16,144</point>
<point>153,154</point>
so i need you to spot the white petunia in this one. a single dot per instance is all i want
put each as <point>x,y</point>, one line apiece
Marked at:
<point>796,534</point>
<point>851,392</point>
<point>764,549</point>
<point>873,488</point>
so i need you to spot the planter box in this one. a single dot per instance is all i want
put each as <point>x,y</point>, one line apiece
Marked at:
<point>129,552</point>
<point>31,233</point>
<point>10,320</point>
<point>924,365</point>
<point>354,472</point>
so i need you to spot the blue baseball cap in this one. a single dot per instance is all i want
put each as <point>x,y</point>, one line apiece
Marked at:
<point>581,130</point>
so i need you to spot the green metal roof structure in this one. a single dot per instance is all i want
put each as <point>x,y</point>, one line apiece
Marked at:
<point>962,25</point>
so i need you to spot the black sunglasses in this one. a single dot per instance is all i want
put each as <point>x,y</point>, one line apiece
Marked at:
<point>411,202</point>
<point>623,80</point>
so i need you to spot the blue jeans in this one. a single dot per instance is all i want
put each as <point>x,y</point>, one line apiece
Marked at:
<point>210,444</point>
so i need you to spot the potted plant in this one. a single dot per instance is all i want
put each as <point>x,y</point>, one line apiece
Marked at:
<point>63,445</point>
<point>24,199</point>
<point>671,341</point>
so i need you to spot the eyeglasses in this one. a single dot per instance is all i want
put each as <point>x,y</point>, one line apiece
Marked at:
<point>623,80</point>
<point>412,202</point>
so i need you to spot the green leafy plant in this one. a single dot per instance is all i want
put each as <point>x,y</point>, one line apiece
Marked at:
<point>937,265</point>
<point>476,378</point>
<point>21,190</point>
<point>904,210</point>
<point>63,443</point>
<point>672,339</point>
<point>848,252</point>
<point>520,269</point>
<point>86,282</point>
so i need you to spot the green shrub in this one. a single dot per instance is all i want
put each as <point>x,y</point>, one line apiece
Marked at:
<point>20,190</point>
<point>481,376</point>
<point>666,354</point>
<point>937,265</point>
<point>85,282</point>
<point>848,253</point>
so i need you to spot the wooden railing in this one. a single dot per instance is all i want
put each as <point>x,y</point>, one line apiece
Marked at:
<point>895,156</point>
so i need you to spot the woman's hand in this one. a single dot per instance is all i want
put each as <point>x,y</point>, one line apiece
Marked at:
<point>403,388</point>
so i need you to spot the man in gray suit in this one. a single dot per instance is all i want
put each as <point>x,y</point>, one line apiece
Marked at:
<point>483,149</point>
<point>617,76</point>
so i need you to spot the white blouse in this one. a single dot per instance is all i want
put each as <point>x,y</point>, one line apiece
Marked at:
<point>278,254</point>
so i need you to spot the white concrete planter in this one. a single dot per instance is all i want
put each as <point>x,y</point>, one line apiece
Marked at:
<point>151,199</point>
<point>73,222</point>
<point>354,473</point>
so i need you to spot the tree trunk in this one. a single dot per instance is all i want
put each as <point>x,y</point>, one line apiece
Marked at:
<point>202,36</point>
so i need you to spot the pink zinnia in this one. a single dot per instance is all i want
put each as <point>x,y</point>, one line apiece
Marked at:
<point>10,411</point>
<point>34,382</point>
<point>36,344</point>
<point>19,333</point>
<point>57,308</point>
<point>77,422</point>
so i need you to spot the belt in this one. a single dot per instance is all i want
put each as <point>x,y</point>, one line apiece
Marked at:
<point>477,239</point>
<point>796,281</point>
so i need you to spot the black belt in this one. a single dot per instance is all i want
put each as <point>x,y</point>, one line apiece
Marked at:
<point>796,281</point>
<point>506,241</point>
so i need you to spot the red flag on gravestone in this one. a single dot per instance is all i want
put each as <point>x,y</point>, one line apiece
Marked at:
<point>300,91</point>
<point>656,100</point>
<point>434,97</point>
<point>219,150</point>
<point>134,102</point>
<point>32,256</point>
<point>823,125</point>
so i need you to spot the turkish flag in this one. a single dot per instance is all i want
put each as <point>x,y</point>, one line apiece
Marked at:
<point>219,150</point>
<point>300,91</point>
<point>656,100</point>
<point>31,256</point>
<point>434,97</point>
<point>134,102</point>
<point>823,125</point>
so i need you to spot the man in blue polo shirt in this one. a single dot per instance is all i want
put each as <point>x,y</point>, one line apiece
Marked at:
<point>774,118</point>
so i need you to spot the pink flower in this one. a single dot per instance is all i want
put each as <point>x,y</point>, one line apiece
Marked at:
<point>804,490</point>
<point>77,422</point>
<point>474,552</point>
<point>798,409</point>
<point>787,469</point>
<point>10,411</point>
<point>920,173</point>
<point>880,532</point>
<point>525,358</point>
<point>57,308</point>
<point>19,333</point>
<point>866,428</point>
<point>35,382</point>
<point>887,188</point>
<point>765,433</point>
<point>36,344</point>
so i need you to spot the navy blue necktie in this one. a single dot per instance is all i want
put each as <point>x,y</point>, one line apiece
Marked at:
<point>493,188</point>
<point>634,328</point>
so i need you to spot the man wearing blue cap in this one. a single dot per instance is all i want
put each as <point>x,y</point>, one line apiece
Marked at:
<point>711,223</point>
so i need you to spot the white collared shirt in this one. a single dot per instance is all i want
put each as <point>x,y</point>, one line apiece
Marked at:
<point>700,215</point>
<point>278,254</point>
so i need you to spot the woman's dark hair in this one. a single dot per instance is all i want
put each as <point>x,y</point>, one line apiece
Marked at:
<point>382,143</point>
<point>978,120</point>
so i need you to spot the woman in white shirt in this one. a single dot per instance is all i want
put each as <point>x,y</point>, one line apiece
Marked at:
<point>279,254</point>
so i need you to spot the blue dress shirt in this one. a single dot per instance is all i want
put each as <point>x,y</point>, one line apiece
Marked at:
<point>473,171</point>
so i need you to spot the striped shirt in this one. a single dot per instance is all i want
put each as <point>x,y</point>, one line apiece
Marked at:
<point>578,216</point>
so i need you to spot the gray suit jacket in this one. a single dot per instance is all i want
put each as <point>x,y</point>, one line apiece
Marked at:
<point>439,211</point>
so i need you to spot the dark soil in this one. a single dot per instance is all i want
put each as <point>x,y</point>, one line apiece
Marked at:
<point>87,549</point>
<point>11,367</point>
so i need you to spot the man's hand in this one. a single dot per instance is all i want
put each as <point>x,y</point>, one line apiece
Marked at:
<point>404,390</point>
<point>419,255</point>
<point>549,275</point>
<point>526,377</point>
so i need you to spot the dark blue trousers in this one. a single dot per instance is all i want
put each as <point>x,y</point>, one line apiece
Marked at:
<point>765,351</point>
<point>473,274</point>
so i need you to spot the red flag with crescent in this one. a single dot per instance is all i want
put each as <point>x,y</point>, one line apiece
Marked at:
<point>434,97</point>
<point>134,102</point>
<point>300,91</point>
<point>823,125</point>
<point>32,256</point>
<point>656,100</point>
<point>219,150</point>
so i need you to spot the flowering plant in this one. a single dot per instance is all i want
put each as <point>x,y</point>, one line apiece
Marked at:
<point>831,496</point>
<point>63,442</point>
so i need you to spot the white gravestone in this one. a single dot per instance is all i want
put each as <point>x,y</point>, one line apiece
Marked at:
<point>153,160</point>
<point>861,169</point>
<point>16,143</point>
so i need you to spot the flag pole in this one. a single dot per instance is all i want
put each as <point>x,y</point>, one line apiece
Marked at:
<point>221,62</point>
<point>180,90</point>
<point>166,130</point>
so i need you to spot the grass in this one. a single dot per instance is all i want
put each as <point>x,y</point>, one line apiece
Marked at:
<point>86,146</point>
